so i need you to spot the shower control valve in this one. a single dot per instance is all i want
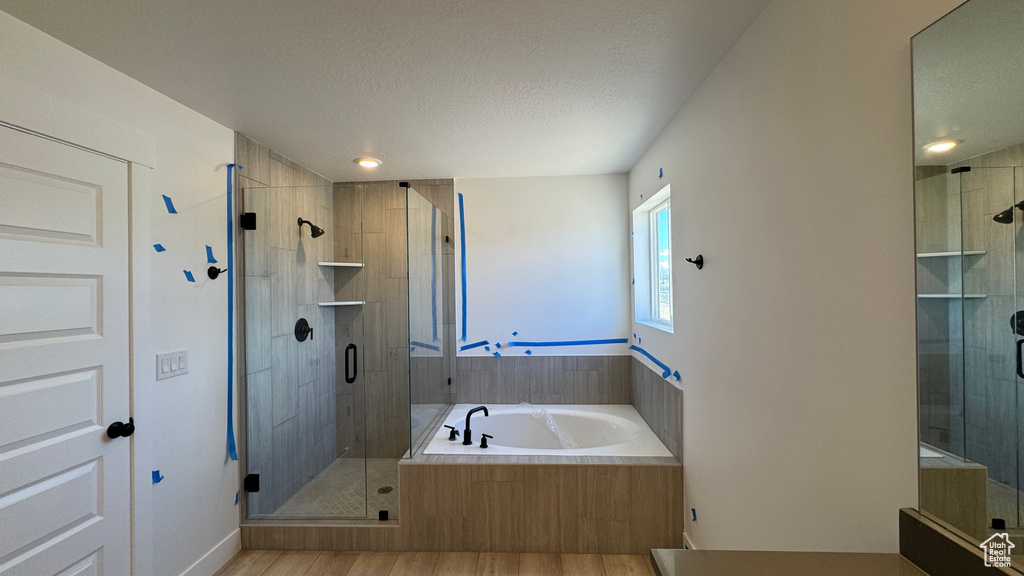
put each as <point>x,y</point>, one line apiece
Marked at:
<point>483,440</point>
<point>454,434</point>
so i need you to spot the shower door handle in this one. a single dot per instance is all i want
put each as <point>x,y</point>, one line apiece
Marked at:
<point>355,363</point>
<point>1020,365</point>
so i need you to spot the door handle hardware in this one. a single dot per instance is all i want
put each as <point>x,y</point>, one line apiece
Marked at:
<point>354,357</point>
<point>120,429</point>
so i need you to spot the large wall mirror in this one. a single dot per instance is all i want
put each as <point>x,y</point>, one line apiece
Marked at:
<point>969,203</point>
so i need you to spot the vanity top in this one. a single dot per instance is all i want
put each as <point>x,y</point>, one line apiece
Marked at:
<point>734,563</point>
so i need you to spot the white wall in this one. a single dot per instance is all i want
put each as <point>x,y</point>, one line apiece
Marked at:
<point>50,87</point>
<point>792,172</point>
<point>546,257</point>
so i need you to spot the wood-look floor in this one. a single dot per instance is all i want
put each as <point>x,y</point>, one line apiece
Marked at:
<point>298,563</point>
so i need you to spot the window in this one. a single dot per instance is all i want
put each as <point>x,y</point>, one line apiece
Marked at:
<point>652,261</point>
<point>661,263</point>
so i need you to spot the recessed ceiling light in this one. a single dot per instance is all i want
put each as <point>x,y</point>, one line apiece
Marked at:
<point>368,162</point>
<point>943,145</point>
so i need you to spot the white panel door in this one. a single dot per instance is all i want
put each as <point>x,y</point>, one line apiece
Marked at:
<point>64,485</point>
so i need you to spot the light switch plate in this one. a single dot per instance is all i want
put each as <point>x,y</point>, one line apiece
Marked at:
<point>170,364</point>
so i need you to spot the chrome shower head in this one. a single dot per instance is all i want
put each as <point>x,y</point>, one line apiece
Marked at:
<point>315,231</point>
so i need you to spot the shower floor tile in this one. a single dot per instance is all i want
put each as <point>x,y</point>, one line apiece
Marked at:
<point>347,489</point>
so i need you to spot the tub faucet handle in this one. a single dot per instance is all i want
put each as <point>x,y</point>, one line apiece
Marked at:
<point>483,440</point>
<point>454,434</point>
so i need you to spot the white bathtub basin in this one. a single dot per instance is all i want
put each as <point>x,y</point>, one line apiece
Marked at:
<point>595,430</point>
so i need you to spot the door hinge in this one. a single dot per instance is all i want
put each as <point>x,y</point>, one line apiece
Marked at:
<point>449,381</point>
<point>247,221</point>
<point>251,483</point>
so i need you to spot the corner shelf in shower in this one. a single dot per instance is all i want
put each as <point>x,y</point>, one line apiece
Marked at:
<point>950,254</point>
<point>336,304</point>
<point>340,264</point>
<point>953,296</point>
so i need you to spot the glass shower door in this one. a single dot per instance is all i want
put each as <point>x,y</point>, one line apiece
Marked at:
<point>303,333</point>
<point>991,423</point>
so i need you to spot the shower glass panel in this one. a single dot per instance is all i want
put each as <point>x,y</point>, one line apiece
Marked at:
<point>968,239</point>
<point>304,289</point>
<point>429,256</point>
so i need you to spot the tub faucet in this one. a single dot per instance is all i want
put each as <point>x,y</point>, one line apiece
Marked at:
<point>467,434</point>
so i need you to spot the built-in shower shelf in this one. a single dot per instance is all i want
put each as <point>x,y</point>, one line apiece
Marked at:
<point>336,304</point>
<point>340,264</point>
<point>950,254</point>
<point>953,296</point>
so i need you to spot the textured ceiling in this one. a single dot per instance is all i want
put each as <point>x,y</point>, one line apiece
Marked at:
<point>969,80</point>
<point>435,88</point>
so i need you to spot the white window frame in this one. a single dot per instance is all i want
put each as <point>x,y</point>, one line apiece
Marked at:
<point>645,261</point>
<point>655,266</point>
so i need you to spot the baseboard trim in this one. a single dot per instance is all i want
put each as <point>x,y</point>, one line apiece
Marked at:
<point>218,556</point>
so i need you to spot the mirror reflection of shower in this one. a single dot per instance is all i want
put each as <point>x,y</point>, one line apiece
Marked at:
<point>315,230</point>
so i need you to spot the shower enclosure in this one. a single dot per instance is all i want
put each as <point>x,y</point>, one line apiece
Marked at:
<point>347,351</point>
<point>969,335</point>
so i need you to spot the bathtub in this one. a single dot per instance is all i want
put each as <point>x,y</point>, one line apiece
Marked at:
<point>519,430</point>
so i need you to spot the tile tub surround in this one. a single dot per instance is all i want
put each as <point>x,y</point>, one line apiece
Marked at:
<point>289,386</point>
<point>598,430</point>
<point>661,405</point>
<point>568,509</point>
<point>542,380</point>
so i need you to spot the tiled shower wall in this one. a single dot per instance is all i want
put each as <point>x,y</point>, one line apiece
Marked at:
<point>979,377</point>
<point>940,358</point>
<point>290,420</point>
<point>370,227</point>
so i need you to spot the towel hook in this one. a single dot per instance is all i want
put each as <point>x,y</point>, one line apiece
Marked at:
<point>698,261</point>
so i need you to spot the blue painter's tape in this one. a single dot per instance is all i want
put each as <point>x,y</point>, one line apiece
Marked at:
<point>427,346</point>
<point>236,498</point>
<point>667,371</point>
<point>529,353</point>
<point>634,281</point>
<point>693,513</point>
<point>634,335</point>
<point>159,247</point>
<point>661,172</point>
<point>571,343</point>
<point>462,236</point>
<point>209,256</point>
<point>157,477</point>
<point>496,355</point>
<point>515,333</point>
<point>433,279</point>
<point>498,344</point>
<point>677,376</point>
<point>189,276</point>
<point>169,205</point>
<point>640,340</point>
<point>232,451</point>
<point>488,348</point>
<point>474,345</point>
